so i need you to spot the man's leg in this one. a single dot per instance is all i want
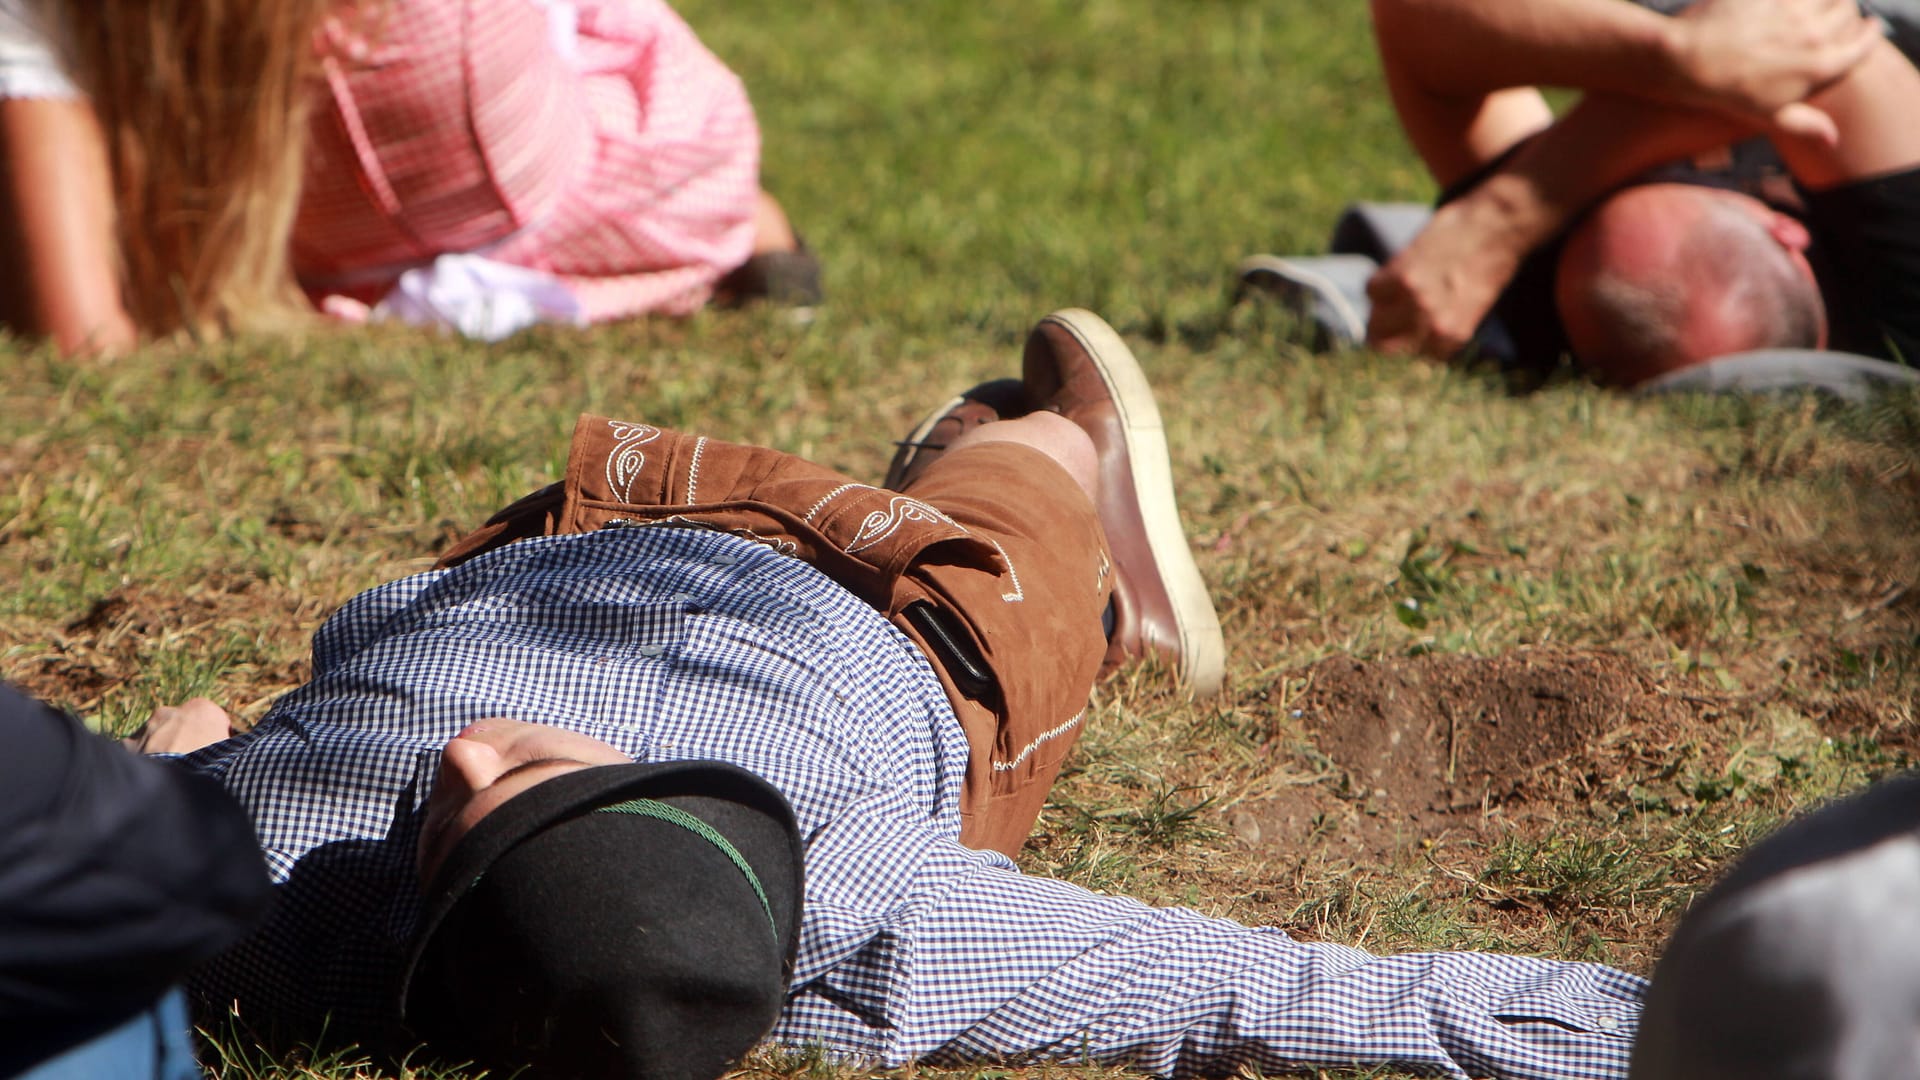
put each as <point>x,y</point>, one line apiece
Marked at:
<point>1060,439</point>
<point>1075,492</point>
<point>1075,366</point>
<point>1017,639</point>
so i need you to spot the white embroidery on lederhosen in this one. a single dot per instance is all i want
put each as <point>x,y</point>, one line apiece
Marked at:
<point>900,509</point>
<point>1045,737</point>
<point>829,497</point>
<point>693,470</point>
<point>1018,594</point>
<point>625,461</point>
<point>779,544</point>
<point>880,524</point>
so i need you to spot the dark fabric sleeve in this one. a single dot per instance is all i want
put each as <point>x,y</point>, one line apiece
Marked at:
<point>1867,255</point>
<point>117,873</point>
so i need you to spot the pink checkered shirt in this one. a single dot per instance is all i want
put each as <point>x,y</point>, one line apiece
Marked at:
<point>616,154</point>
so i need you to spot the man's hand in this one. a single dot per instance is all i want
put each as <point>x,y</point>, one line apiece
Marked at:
<point>1761,59</point>
<point>1430,298</point>
<point>182,729</point>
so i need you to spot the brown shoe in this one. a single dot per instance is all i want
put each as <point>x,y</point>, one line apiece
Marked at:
<point>787,279</point>
<point>1077,366</point>
<point>1001,399</point>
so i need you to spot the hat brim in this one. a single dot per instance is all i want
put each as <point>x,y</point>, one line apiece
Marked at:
<point>569,795</point>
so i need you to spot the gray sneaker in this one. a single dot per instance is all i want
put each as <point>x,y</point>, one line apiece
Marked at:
<point>1326,292</point>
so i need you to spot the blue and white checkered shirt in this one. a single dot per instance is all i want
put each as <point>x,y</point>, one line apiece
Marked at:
<point>674,643</point>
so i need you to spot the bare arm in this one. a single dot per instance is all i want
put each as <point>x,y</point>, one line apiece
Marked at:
<point>1471,47</point>
<point>56,228</point>
<point>1432,296</point>
<point>1873,107</point>
<point>1447,61</point>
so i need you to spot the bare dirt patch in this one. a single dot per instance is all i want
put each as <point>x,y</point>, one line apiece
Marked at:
<point>1422,748</point>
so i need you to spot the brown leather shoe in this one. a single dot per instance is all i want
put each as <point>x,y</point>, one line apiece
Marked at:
<point>1077,366</point>
<point>1001,399</point>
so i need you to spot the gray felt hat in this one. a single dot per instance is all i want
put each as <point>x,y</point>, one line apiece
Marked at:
<point>1804,963</point>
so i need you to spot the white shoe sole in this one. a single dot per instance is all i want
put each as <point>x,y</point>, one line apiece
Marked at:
<point>1202,647</point>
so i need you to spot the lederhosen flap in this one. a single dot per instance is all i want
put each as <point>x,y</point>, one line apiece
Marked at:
<point>625,474</point>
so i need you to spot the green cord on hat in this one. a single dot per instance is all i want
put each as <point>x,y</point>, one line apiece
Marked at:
<point>673,815</point>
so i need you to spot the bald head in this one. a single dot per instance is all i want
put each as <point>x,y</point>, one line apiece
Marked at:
<point>1663,276</point>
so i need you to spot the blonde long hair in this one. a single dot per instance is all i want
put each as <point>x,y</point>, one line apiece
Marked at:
<point>205,106</point>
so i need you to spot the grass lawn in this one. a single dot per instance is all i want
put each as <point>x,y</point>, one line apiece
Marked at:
<point>1516,673</point>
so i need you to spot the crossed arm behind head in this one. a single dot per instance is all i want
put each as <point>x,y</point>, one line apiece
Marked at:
<point>1447,62</point>
<point>1872,108</point>
<point>1431,298</point>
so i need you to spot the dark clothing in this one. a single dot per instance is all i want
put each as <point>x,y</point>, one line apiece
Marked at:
<point>1865,254</point>
<point>117,874</point>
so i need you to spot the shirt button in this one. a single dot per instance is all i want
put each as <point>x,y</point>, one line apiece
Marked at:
<point>651,649</point>
<point>681,597</point>
<point>724,558</point>
<point>1606,1023</point>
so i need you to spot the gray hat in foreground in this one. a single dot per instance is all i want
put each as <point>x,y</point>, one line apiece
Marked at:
<point>1804,963</point>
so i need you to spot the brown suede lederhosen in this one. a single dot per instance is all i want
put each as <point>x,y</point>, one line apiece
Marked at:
<point>992,562</point>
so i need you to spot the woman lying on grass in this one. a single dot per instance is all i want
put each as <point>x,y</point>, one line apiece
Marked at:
<point>210,165</point>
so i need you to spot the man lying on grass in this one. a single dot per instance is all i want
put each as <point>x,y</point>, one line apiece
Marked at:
<point>1584,235</point>
<point>552,803</point>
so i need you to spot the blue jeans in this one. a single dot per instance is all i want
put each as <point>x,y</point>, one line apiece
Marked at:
<point>153,1045</point>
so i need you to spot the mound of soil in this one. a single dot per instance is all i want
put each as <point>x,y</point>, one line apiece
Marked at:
<point>1429,745</point>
